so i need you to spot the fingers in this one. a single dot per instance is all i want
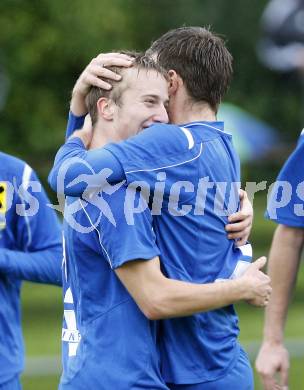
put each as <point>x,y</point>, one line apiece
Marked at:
<point>284,374</point>
<point>96,71</point>
<point>241,235</point>
<point>240,216</point>
<point>240,241</point>
<point>113,59</point>
<point>116,55</point>
<point>239,224</point>
<point>260,263</point>
<point>94,75</point>
<point>100,71</point>
<point>270,383</point>
<point>266,373</point>
<point>267,294</point>
<point>92,80</point>
<point>239,230</point>
<point>242,194</point>
<point>266,301</point>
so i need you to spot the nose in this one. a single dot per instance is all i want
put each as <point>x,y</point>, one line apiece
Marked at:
<point>161,115</point>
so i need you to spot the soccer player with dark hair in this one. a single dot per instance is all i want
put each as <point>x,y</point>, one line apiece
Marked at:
<point>198,350</point>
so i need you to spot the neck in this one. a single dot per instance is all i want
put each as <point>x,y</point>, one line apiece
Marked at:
<point>193,115</point>
<point>103,133</point>
<point>182,110</point>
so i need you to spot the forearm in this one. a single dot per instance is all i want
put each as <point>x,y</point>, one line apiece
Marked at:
<point>94,169</point>
<point>177,298</point>
<point>283,266</point>
<point>78,106</point>
<point>160,297</point>
<point>42,266</point>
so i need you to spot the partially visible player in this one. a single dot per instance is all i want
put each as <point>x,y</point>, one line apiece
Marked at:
<point>284,260</point>
<point>108,341</point>
<point>30,249</point>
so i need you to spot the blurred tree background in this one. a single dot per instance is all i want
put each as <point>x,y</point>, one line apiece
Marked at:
<point>45,44</point>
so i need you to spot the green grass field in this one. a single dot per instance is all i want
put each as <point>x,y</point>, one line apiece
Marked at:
<point>42,313</point>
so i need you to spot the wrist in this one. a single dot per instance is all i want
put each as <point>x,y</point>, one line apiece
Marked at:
<point>272,343</point>
<point>78,107</point>
<point>243,290</point>
<point>235,289</point>
<point>78,92</point>
<point>273,337</point>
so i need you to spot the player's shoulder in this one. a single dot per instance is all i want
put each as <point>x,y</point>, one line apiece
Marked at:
<point>294,163</point>
<point>164,138</point>
<point>11,166</point>
<point>160,144</point>
<point>300,143</point>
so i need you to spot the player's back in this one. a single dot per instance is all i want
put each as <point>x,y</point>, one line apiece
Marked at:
<point>203,346</point>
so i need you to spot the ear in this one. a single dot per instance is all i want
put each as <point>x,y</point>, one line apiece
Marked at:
<point>105,108</point>
<point>174,82</point>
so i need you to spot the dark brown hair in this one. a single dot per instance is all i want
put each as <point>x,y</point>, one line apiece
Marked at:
<point>200,58</point>
<point>141,62</point>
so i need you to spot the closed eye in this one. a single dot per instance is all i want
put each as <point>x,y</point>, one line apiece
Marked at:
<point>151,101</point>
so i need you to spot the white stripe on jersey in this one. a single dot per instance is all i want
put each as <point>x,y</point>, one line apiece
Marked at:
<point>189,137</point>
<point>25,183</point>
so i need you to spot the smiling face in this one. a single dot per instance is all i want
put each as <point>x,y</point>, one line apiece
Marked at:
<point>143,102</point>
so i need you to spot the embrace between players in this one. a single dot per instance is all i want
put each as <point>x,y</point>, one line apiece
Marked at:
<point>177,261</point>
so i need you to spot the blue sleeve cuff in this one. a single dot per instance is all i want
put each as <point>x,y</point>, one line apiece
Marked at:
<point>75,141</point>
<point>74,123</point>
<point>135,256</point>
<point>291,222</point>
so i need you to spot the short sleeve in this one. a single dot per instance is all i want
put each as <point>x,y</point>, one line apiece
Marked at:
<point>125,230</point>
<point>286,202</point>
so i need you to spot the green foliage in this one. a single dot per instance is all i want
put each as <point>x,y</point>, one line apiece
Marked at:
<point>45,45</point>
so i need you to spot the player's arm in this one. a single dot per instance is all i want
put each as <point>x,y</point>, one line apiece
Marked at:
<point>283,266</point>
<point>73,160</point>
<point>38,239</point>
<point>156,295</point>
<point>159,297</point>
<point>43,266</point>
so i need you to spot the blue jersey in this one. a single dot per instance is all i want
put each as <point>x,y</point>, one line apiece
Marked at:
<point>292,178</point>
<point>108,343</point>
<point>197,170</point>
<point>30,248</point>
<point>192,174</point>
